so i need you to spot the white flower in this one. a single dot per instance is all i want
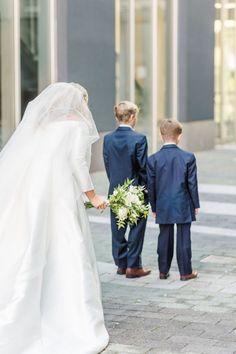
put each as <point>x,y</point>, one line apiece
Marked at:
<point>128,199</point>
<point>115,192</point>
<point>138,202</point>
<point>122,213</point>
<point>133,189</point>
<point>132,198</point>
<point>135,199</point>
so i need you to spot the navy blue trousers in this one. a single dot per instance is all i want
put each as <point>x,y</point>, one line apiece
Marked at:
<point>127,253</point>
<point>165,248</point>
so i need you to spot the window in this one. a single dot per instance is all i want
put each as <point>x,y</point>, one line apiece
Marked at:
<point>225,69</point>
<point>144,49</point>
<point>35,48</point>
<point>8,80</point>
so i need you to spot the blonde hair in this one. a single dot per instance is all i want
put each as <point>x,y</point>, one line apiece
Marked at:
<point>124,110</point>
<point>170,128</point>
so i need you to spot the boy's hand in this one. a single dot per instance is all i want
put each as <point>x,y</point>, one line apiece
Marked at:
<point>154,215</point>
<point>196,211</point>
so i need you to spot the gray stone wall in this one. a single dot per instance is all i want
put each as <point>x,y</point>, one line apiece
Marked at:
<point>86,53</point>
<point>196,60</point>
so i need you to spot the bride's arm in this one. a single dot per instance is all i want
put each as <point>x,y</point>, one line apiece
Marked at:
<point>97,201</point>
<point>80,165</point>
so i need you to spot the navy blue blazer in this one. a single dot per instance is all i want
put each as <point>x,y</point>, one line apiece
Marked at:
<point>125,156</point>
<point>172,185</point>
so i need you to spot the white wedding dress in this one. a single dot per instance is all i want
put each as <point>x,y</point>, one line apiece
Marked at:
<point>50,300</point>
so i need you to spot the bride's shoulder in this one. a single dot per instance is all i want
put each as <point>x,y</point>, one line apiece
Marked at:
<point>79,127</point>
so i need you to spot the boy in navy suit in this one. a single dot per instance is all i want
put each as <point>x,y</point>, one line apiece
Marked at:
<point>173,194</point>
<point>125,156</point>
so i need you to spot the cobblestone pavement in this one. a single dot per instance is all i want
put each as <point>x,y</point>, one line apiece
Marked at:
<point>149,315</point>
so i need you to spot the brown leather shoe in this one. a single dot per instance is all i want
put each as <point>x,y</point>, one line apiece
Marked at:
<point>137,272</point>
<point>189,276</point>
<point>121,271</point>
<point>164,275</point>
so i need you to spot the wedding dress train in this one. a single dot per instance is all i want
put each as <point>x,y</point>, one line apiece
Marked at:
<point>50,301</point>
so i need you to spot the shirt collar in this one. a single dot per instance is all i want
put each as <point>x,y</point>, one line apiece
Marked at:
<point>170,143</point>
<point>125,126</point>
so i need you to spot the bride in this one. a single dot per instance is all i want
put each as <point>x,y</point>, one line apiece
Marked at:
<point>50,292</point>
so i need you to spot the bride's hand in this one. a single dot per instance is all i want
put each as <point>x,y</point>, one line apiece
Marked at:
<point>98,202</point>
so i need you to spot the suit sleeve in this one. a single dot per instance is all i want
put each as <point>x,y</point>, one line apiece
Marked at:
<point>193,183</point>
<point>151,177</point>
<point>80,159</point>
<point>106,157</point>
<point>141,156</point>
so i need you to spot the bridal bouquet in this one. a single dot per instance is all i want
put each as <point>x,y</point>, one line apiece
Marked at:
<point>127,203</point>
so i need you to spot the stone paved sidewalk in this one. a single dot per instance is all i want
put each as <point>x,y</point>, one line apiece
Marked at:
<point>149,315</point>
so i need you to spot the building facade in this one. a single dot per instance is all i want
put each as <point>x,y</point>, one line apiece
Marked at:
<point>174,58</point>
<point>225,70</point>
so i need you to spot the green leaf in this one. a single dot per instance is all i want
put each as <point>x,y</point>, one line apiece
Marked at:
<point>88,205</point>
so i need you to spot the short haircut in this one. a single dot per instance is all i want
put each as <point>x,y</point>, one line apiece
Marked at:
<point>170,128</point>
<point>124,110</point>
